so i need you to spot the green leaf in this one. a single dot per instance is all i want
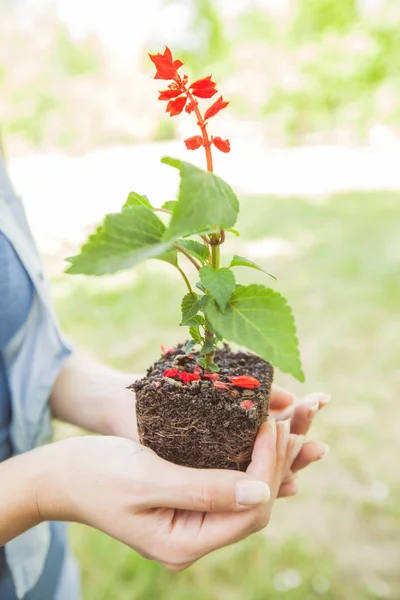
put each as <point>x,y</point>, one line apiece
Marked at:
<point>196,320</point>
<point>260,319</point>
<point>169,204</point>
<point>195,333</point>
<point>220,284</point>
<point>213,367</point>
<point>190,345</point>
<point>239,261</point>
<point>207,348</point>
<point>190,307</point>
<point>234,231</point>
<point>202,362</point>
<point>196,249</point>
<point>135,199</point>
<point>123,240</point>
<point>200,287</point>
<point>205,201</point>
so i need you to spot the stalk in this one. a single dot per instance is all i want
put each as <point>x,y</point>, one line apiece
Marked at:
<point>216,238</point>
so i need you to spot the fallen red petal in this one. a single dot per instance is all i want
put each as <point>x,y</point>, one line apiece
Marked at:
<point>157,384</point>
<point>223,145</point>
<point>188,377</point>
<point>197,369</point>
<point>167,351</point>
<point>175,107</point>
<point>247,404</point>
<point>245,381</point>
<point>221,385</point>
<point>212,376</point>
<point>195,142</point>
<point>171,372</point>
<point>215,108</point>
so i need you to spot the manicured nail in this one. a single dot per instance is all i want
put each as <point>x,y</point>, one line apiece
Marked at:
<point>324,398</point>
<point>324,452</point>
<point>295,489</point>
<point>298,444</point>
<point>272,424</point>
<point>251,493</point>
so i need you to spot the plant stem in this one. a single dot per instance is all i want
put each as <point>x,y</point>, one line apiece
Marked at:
<point>186,280</point>
<point>192,260</point>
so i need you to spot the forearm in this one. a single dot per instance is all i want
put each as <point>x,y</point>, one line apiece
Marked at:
<point>18,484</point>
<point>94,397</point>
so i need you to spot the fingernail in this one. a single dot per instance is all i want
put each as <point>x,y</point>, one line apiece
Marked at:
<point>324,398</point>
<point>324,452</point>
<point>296,489</point>
<point>286,431</point>
<point>250,493</point>
<point>272,424</point>
<point>298,444</point>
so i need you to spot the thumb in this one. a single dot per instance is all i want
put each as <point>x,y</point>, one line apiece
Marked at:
<point>206,490</point>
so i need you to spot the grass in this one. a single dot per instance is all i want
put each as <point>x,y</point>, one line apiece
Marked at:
<point>337,260</point>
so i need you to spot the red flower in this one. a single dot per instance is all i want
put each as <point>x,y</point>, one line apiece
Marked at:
<point>197,369</point>
<point>167,68</point>
<point>221,385</point>
<point>203,88</point>
<point>212,376</point>
<point>223,145</point>
<point>187,377</point>
<point>195,142</point>
<point>245,381</point>
<point>167,351</point>
<point>215,108</point>
<point>189,107</point>
<point>175,107</point>
<point>168,94</point>
<point>170,373</point>
<point>247,404</point>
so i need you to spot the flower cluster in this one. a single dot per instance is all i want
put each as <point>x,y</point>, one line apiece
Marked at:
<point>182,95</point>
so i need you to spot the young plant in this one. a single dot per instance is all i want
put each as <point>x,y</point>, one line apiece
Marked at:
<point>217,308</point>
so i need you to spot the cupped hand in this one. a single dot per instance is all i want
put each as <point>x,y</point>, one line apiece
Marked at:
<point>301,415</point>
<point>168,513</point>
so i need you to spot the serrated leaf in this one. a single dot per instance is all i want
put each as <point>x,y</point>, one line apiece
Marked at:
<point>202,362</point>
<point>190,345</point>
<point>195,333</point>
<point>195,249</point>
<point>220,284</point>
<point>205,201</point>
<point>190,307</point>
<point>200,286</point>
<point>135,199</point>
<point>240,261</point>
<point>169,204</point>
<point>260,319</point>
<point>196,320</point>
<point>213,367</point>
<point>123,240</point>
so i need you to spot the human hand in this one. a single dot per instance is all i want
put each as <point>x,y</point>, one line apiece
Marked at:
<point>301,415</point>
<point>168,513</point>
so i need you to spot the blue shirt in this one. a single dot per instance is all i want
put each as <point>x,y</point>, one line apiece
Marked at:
<point>36,565</point>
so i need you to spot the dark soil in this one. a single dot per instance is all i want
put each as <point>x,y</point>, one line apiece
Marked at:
<point>197,424</point>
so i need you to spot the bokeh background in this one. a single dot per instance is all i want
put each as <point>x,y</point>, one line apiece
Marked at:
<point>314,123</point>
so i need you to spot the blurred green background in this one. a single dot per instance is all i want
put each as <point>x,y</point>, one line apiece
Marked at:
<point>301,72</point>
